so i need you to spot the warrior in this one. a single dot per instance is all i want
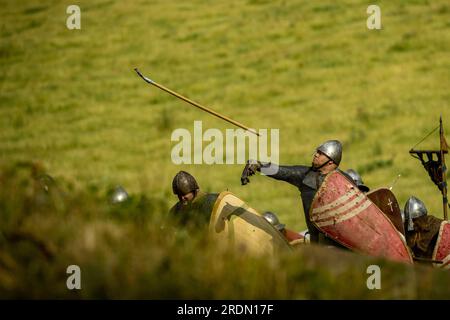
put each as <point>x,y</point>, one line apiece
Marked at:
<point>421,229</point>
<point>307,179</point>
<point>358,180</point>
<point>291,236</point>
<point>194,206</point>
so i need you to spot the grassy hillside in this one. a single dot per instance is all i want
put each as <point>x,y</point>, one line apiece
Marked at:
<point>70,100</point>
<point>131,251</point>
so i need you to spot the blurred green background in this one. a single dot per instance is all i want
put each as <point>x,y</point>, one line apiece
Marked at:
<point>70,100</point>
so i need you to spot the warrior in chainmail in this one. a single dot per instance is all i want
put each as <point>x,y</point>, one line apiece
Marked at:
<point>421,229</point>
<point>194,206</point>
<point>307,179</point>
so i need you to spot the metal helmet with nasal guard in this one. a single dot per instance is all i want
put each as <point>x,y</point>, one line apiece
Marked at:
<point>414,208</point>
<point>332,149</point>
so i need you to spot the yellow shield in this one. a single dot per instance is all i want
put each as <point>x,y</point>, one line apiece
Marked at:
<point>235,224</point>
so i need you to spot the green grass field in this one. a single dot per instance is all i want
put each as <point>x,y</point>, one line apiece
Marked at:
<point>70,101</point>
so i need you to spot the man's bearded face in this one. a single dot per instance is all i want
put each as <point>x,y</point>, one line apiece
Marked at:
<point>319,159</point>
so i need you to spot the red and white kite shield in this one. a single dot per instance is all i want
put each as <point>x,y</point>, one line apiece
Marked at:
<point>347,215</point>
<point>442,248</point>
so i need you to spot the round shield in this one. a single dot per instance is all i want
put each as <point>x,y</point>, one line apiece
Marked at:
<point>234,223</point>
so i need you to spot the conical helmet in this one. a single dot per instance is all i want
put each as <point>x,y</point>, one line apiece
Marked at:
<point>183,183</point>
<point>414,208</point>
<point>332,149</point>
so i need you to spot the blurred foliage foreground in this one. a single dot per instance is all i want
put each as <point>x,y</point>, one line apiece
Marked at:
<point>132,250</point>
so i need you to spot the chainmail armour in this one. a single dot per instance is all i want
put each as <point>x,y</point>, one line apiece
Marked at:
<point>308,181</point>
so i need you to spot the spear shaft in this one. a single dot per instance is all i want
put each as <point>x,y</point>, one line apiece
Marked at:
<point>444,169</point>
<point>195,104</point>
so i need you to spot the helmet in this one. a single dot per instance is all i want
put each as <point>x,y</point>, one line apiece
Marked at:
<point>332,149</point>
<point>402,213</point>
<point>183,183</point>
<point>358,180</point>
<point>414,208</point>
<point>273,220</point>
<point>119,195</point>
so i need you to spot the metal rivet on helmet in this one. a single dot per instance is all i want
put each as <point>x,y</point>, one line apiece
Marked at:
<point>332,149</point>
<point>273,220</point>
<point>414,208</point>
<point>183,183</point>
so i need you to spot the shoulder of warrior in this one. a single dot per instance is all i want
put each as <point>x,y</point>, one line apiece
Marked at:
<point>212,196</point>
<point>434,222</point>
<point>204,198</point>
<point>208,200</point>
<point>428,223</point>
<point>298,170</point>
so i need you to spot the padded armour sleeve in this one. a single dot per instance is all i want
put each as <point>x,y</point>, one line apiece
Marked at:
<point>291,174</point>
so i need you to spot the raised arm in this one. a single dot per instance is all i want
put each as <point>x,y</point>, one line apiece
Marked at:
<point>291,174</point>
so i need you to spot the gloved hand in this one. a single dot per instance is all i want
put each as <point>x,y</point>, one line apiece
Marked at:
<point>250,169</point>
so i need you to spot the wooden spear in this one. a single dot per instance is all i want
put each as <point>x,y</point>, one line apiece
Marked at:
<point>195,104</point>
<point>443,149</point>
